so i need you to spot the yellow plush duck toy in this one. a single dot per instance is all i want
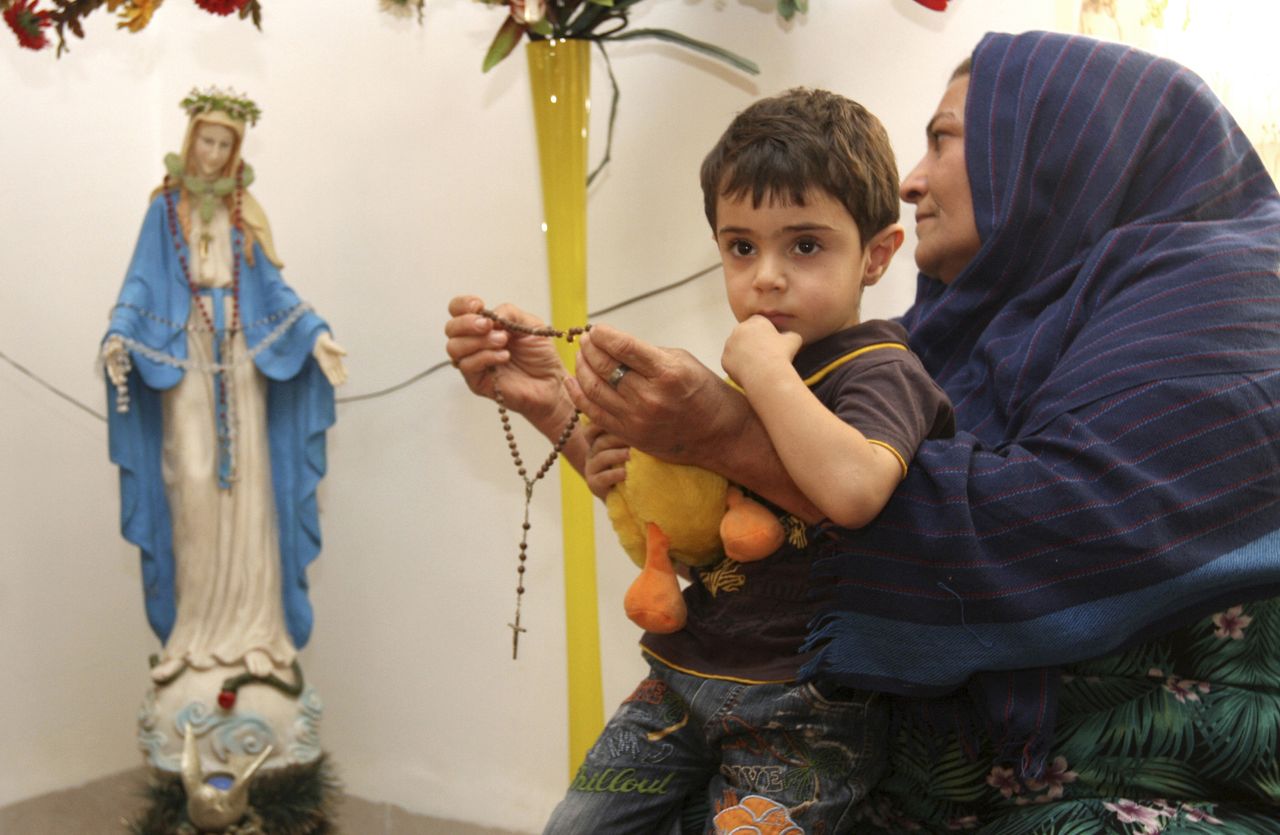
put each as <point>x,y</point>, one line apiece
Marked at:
<point>665,511</point>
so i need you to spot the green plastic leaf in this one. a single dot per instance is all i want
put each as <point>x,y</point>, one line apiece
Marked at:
<point>613,118</point>
<point>509,34</point>
<point>608,3</point>
<point>710,50</point>
<point>787,8</point>
<point>253,11</point>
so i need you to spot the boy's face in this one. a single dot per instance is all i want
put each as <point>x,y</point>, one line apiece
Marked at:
<point>801,267</point>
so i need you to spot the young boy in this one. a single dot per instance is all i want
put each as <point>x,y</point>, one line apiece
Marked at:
<point>802,195</point>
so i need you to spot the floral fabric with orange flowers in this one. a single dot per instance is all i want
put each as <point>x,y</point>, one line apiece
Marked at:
<point>1145,744</point>
<point>756,815</point>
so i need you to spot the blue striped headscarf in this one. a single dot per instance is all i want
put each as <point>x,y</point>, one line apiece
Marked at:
<point>1113,353</point>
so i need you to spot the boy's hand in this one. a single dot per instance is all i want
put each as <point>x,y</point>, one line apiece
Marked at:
<point>607,458</point>
<point>755,346</point>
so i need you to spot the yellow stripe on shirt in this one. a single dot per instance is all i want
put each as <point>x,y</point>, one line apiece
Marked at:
<point>817,377</point>
<point>902,461</point>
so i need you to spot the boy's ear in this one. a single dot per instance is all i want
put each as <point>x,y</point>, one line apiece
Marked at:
<point>879,251</point>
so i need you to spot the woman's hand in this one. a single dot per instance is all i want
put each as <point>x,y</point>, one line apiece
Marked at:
<point>329,354</point>
<point>666,403</point>
<point>674,407</point>
<point>531,372</point>
<point>607,458</point>
<point>526,369</point>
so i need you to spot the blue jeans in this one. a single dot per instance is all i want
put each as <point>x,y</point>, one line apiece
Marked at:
<point>784,749</point>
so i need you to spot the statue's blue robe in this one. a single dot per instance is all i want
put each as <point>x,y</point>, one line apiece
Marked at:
<point>153,305</point>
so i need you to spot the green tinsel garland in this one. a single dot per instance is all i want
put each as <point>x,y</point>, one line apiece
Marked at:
<point>298,800</point>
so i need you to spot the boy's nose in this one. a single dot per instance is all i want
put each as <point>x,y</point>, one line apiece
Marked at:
<point>770,274</point>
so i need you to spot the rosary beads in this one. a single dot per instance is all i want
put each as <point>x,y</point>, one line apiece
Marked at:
<point>516,327</point>
<point>521,470</point>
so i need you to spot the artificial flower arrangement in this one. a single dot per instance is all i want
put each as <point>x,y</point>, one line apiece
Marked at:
<point>598,20</point>
<point>31,23</point>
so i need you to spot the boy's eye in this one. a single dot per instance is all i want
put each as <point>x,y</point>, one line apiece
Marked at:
<point>807,246</point>
<point>741,247</point>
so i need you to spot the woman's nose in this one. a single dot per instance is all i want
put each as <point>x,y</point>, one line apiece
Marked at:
<point>914,185</point>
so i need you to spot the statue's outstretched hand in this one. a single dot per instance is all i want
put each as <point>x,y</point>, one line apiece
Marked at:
<point>329,354</point>
<point>113,354</point>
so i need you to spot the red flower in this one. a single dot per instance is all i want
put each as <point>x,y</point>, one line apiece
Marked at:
<point>28,23</point>
<point>936,5</point>
<point>222,7</point>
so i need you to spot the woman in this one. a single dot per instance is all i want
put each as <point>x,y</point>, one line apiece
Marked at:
<point>1098,296</point>
<point>224,390</point>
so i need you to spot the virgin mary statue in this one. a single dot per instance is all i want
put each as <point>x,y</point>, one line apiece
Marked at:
<point>223,385</point>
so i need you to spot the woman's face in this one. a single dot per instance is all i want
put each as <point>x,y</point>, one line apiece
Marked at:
<point>212,148</point>
<point>939,188</point>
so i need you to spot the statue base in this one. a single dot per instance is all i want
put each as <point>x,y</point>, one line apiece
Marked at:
<point>234,716</point>
<point>215,732</point>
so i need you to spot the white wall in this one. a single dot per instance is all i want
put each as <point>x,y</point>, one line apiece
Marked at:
<point>395,175</point>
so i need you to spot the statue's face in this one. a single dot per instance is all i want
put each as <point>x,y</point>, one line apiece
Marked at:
<point>212,148</point>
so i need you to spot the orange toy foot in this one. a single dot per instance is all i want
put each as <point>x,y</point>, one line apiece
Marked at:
<point>654,602</point>
<point>749,530</point>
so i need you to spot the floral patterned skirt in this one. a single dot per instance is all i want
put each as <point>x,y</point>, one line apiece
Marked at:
<point>1179,735</point>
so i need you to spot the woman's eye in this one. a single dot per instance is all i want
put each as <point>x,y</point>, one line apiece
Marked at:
<point>938,138</point>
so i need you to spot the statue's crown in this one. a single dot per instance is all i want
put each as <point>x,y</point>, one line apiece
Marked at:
<point>230,102</point>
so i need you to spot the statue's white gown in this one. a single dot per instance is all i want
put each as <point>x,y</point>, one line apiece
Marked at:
<point>225,541</point>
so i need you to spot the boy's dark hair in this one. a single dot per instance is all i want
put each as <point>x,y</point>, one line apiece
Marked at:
<point>786,144</point>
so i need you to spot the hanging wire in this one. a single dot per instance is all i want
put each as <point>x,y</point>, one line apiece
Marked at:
<point>355,398</point>
<point>421,375</point>
<point>657,291</point>
<point>53,389</point>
